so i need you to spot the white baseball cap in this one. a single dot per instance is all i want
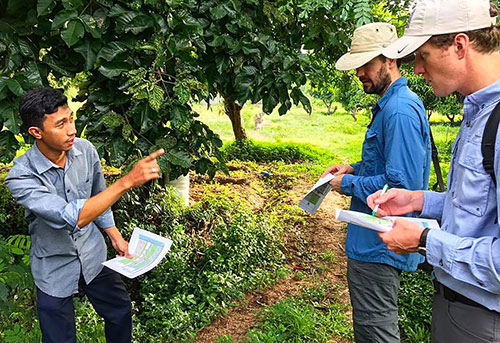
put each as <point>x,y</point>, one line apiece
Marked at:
<point>436,17</point>
<point>368,41</point>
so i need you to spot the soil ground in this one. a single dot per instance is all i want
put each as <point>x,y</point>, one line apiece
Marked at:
<point>320,234</point>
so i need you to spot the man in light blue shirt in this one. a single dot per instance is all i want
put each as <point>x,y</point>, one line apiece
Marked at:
<point>396,152</point>
<point>59,182</point>
<point>456,45</point>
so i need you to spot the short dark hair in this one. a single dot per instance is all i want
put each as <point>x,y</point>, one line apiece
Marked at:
<point>485,40</point>
<point>39,102</point>
<point>383,59</point>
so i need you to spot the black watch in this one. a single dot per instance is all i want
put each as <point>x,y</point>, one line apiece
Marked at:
<point>421,248</point>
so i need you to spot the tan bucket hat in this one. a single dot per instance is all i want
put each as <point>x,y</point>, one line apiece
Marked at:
<point>436,17</point>
<point>368,41</point>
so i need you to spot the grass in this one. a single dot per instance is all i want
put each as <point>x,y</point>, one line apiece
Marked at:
<point>314,316</point>
<point>337,135</point>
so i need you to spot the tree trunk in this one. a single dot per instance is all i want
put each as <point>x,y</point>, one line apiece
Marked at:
<point>329,109</point>
<point>233,111</point>
<point>353,113</point>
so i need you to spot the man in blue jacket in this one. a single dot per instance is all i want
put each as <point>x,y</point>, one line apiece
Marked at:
<point>396,152</point>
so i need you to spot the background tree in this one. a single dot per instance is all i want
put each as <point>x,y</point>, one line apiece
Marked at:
<point>140,74</point>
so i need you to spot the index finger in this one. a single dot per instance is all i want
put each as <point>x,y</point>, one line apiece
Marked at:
<point>370,201</point>
<point>154,155</point>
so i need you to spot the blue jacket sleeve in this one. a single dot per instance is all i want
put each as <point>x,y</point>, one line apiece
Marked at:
<point>405,152</point>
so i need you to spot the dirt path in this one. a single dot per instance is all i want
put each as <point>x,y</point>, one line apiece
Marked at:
<point>321,234</point>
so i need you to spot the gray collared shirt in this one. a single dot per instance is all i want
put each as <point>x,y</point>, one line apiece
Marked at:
<point>53,198</point>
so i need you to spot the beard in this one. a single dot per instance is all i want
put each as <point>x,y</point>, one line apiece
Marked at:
<point>379,85</point>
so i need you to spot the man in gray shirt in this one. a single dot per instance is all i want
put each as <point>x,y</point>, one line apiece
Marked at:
<point>60,183</point>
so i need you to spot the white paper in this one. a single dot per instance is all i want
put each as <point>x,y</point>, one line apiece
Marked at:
<point>313,199</point>
<point>147,249</point>
<point>383,224</point>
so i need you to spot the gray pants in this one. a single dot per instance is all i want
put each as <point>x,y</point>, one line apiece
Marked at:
<point>373,288</point>
<point>461,323</point>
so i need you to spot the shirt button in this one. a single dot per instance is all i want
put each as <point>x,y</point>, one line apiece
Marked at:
<point>68,191</point>
<point>441,263</point>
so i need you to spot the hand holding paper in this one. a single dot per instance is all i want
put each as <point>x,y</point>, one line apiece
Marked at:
<point>147,250</point>
<point>316,194</point>
<point>384,224</point>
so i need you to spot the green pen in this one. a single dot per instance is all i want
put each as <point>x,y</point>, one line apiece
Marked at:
<point>384,190</point>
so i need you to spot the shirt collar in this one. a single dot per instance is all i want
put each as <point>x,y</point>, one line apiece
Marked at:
<point>484,97</point>
<point>401,82</point>
<point>42,163</point>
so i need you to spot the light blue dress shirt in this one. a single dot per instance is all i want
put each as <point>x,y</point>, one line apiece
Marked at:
<point>466,252</point>
<point>53,198</point>
<point>397,152</point>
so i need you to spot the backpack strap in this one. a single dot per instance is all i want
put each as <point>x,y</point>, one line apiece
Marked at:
<point>488,142</point>
<point>437,167</point>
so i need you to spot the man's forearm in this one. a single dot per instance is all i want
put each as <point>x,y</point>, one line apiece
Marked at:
<point>417,200</point>
<point>113,233</point>
<point>99,203</point>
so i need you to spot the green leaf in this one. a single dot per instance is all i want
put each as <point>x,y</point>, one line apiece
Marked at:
<point>111,70</point>
<point>15,87</point>
<point>11,119</point>
<point>70,4</point>
<point>123,21</point>
<point>218,40</point>
<point>56,65</point>
<point>4,292</point>
<point>8,146</point>
<point>268,103</point>
<point>44,7</point>
<point>87,50</point>
<point>250,50</point>
<point>179,158</point>
<point>305,102</point>
<point>112,120</point>
<point>62,17</point>
<point>250,70</point>
<point>218,12</point>
<point>111,50</point>
<point>33,76</point>
<point>182,93</point>
<point>155,97</point>
<point>118,150</point>
<point>107,3</point>
<point>167,142</point>
<point>92,26</point>
<point>139,24</point>
<point>116,11</point>
<point>73,32</point>
<point>25,48</point>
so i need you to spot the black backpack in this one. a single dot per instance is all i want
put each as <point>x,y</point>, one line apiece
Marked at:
<point>488,143</point>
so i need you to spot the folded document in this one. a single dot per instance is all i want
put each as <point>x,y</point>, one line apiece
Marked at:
<point>316,194</point>
<point>383,224</point>
<point>147,250</point>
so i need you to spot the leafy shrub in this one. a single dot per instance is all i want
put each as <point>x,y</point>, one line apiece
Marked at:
<point>249,150</point>
<point>11,214</point>
<point>220,250</point>
<point>17,296</point>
